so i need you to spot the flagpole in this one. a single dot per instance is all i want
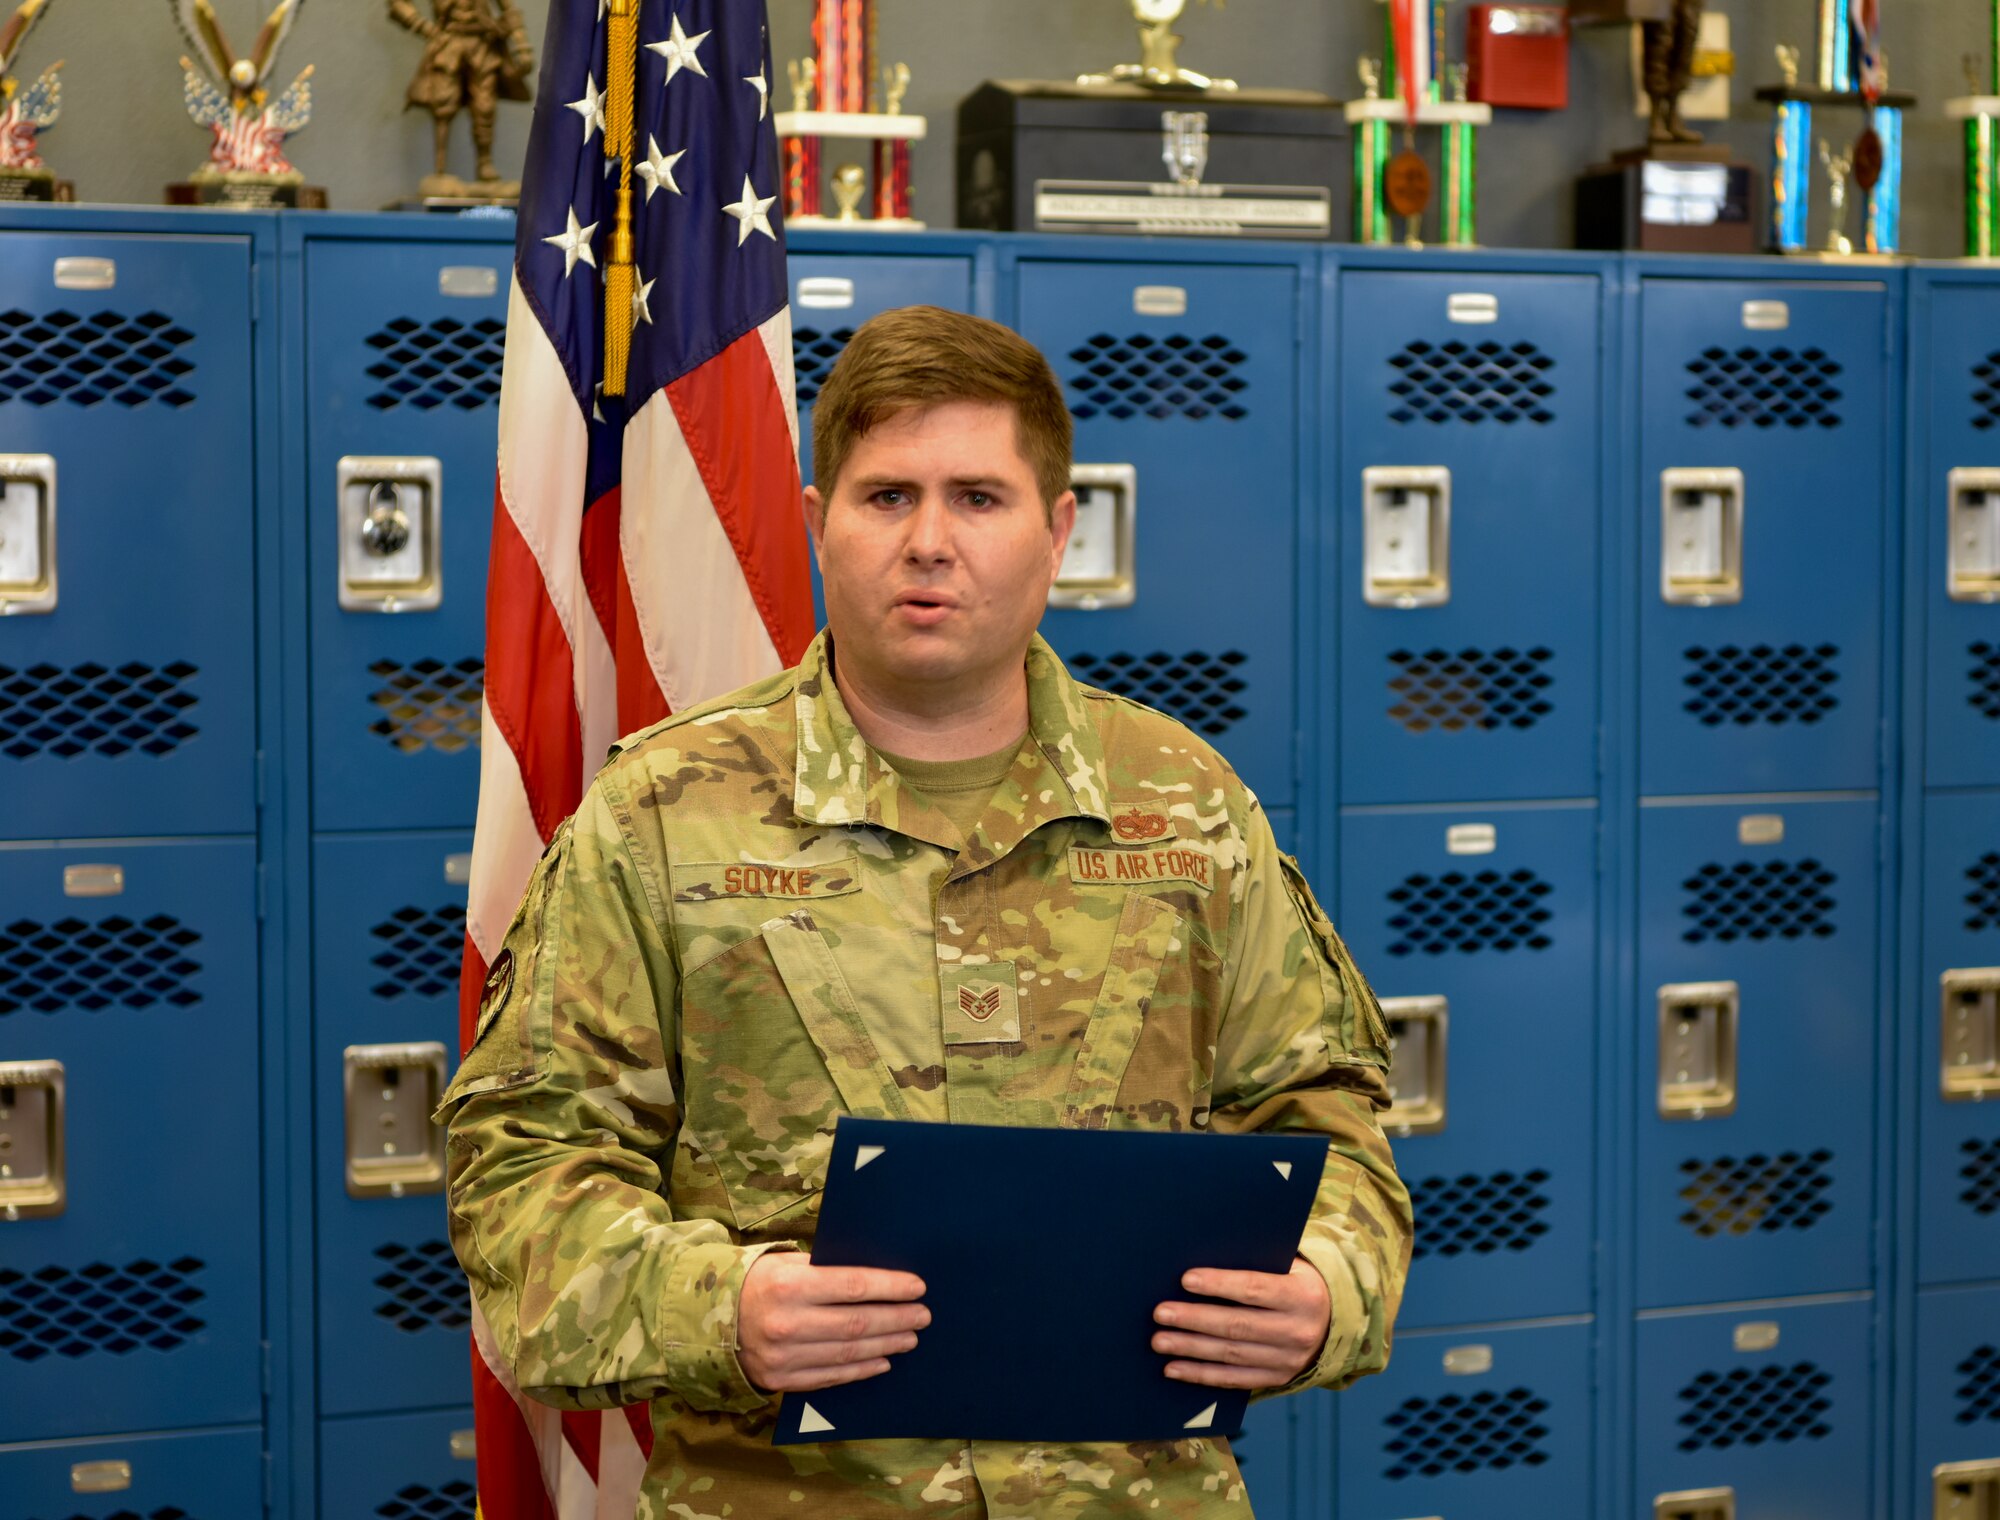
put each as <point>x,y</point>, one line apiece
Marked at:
<point>621,67</point>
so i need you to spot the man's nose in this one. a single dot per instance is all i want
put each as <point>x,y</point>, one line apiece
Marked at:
<point>928,536</point>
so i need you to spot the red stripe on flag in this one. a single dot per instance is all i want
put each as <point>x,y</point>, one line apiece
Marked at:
<point>581,1431</point>
<point>640,1418</point>
<point>530,676</point>
<point>734,421</point>
<point>510,1469</point>
<point>640,701</point>
<point>597,553</point>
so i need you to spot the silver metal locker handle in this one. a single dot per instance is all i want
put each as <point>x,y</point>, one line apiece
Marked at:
<point>1696,1504</point>
<point>1701,537</point>
<point>1972,555</point>
<point>1100,568</point>
<point>27,533</point>
<point>1406,535</point>
<point>393,1149</point>
<point>390,525</point>
<point>1419,1030</point>
<point>1969,1068</point>
<point>1966,1490</point>
<point>32,1182</point>
<point>1698,1038</point>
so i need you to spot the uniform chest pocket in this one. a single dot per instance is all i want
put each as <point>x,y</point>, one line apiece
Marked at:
<point>1148,1054</point>
<point>773,1050</point>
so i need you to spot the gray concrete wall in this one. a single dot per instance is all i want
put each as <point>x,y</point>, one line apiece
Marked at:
<point>124,133</point>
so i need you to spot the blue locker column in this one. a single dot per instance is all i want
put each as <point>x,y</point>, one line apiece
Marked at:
<point>211,1475</point>
<point>1189,373</point>
<point>399,1467</point>
<point>1954,1465</point>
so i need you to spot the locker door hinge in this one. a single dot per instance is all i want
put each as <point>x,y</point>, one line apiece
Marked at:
<point>263,891</point>
<point>256,293</point>
<point>264,1351</point>
<point>270,1483</point>
<point>262,772</point>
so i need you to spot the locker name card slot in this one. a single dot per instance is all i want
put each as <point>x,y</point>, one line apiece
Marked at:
<point>1100,565</point>
<point>31,1140</point>
<point>27,533</point>
<point>1970,1071</point>
<point>393,1149</point>
<point>1418,1029</point>
<point>390,554</point>
<point>100,1477</point>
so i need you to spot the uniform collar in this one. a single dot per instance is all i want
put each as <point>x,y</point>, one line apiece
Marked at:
<point>839,779</point>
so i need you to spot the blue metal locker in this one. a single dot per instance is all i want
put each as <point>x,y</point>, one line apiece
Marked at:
<point>210,1475</point>
<point>1492,911</point>
<point>1957,1097</point>
<point>1757,927</point>
<point>1763,439</point>
<point>127,706</point>
<point>1770,1400</point>
<point>1189,373</point>
<point>1955,435</point>
<point>1471,411</point>
<point>1277,1455</point>
<point>399,1467</point>
<point>388,932</point>
<point>403,342</point>
<point>1956,1399</point>
<point>137,1303</point>
<point>1487,1423</point>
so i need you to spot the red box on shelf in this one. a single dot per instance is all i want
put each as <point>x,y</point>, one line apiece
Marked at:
<point>1518,55</point>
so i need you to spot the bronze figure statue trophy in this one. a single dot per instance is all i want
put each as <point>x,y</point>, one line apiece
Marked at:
<point>1677,193</point>
<point>476,54</point>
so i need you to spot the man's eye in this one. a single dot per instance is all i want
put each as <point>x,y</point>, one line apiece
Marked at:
<point>892,497</point>
<point>978,499</point>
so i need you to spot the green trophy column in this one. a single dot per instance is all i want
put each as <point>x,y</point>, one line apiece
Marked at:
<point>1461,167</point>
<point>1371,158</point>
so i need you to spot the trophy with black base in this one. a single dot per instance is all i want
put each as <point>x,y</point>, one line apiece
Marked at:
<point>24,111</point>
<point>246,166</point>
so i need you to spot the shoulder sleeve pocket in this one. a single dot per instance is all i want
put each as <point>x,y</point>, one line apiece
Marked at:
<point>1362,1029</point>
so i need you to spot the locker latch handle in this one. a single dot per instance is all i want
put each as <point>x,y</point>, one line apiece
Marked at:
<point>1966,1490</point>
<point>1698,1026</point>
<point>31,1140</point>
<point>391,557</point>
<point>1701,537</point>
<point>393,1149</point>
<point>1418,1030</point>
<point>1696,1504</point>
<point>27,533</point>
<point>1973,529</point>
<point>1970,1069</point>
<point>1406,535</point>
<point>1100,567</point>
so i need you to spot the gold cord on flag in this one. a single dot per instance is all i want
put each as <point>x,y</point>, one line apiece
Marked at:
<point>621,67</point>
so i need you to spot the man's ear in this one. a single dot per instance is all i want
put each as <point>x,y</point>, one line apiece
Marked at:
<point>812,507</point>
<point>1062,522</point>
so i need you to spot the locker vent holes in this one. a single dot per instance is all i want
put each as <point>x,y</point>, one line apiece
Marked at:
<point>100,1307</point>
<point>1985,678</point>
<point>1471,382</point>
<point>428,704</point>
<point>107,356</point>
<point>111,962</point>
<point>420,951</point>
<point>1761,684</point>
<point>95,709</point>
<point>169,1513</point>
<point>1479,1215</point>
<point>1468,912</point>
<point>424,1287</point>
<point>1464,1433</point>
<point>448,1501</point>
<point>433,364</point>
<point>1981,1175</point>
<point>1979,1394</point>
<point>1471,689</point>
<point>1144,376</point>
<point>1984,898</point>
<point>813,353</point>
<point>1986,393</point>
<point>1769,1193</point>
<point>1201,690</point>
<point>1750,1407</point>
<point>1764,388</point>
<point>1775,900</point>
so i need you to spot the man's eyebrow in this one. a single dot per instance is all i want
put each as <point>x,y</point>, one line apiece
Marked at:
<point>956,482</point>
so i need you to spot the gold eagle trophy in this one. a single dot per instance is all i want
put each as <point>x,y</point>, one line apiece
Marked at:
<point>23,114</point>
<point>246,164</point>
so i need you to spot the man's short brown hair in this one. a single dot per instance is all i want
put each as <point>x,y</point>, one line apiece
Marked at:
<point>921,356</point>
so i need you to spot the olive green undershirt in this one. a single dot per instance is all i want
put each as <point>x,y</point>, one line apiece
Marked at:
<point>960,789</point>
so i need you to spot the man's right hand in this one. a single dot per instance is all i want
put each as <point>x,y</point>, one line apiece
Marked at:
<point>800,1327</point>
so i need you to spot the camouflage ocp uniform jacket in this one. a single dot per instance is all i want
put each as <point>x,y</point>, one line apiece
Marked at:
<point>752,925</point>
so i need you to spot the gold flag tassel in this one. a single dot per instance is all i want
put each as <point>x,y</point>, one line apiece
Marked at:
<point>621,67</point>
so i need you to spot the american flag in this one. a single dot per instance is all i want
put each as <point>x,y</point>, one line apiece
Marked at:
<point>647,551</point>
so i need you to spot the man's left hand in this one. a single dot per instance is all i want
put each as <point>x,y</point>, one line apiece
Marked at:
<point>1267,1333</point>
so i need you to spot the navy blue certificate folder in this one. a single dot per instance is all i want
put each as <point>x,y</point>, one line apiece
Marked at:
<point>1044,1252</point>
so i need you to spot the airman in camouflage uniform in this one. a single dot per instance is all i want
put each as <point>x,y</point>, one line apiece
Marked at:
<point>755,923</point>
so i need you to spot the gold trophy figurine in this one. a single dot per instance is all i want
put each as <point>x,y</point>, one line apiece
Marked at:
<point>476,54</point>
<point>1838,167</point>
<point>1159,47</point>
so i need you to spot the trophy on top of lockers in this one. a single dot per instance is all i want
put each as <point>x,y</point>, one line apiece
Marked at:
<point>855,107</point>
<point>24,112</point>
<point>1980,111</point>
<point>1852,72</point>
<point>1406,89</point>
<point>476,54</point>
<point>246,164</point>
<point>1159,49</point>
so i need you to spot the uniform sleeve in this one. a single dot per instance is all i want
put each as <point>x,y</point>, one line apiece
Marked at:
<point>1303,1049</point>
<point>562,1122</point>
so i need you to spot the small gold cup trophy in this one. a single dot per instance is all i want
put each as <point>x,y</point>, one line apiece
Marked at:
<point>1159,53</point>
<point>23,114</point>
<point>246,165</point>
<point>853,106</point>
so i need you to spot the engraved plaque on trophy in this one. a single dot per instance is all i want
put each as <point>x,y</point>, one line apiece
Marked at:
<point>27,106</point>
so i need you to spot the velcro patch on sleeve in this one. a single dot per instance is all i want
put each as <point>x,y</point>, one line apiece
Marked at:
<point>695,883</point>
<point>1142,867</point>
